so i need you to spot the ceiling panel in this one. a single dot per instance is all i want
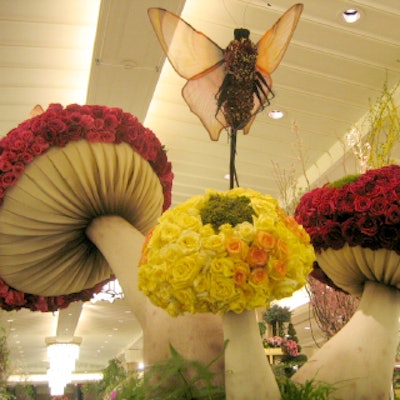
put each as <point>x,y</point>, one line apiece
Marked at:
<point>325,83</point>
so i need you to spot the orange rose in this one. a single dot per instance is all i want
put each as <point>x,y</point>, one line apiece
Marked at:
<point>280,267</point>
<point>236,247</point>
<point>258,275</point>
<point>240,274</point>
<point>282,249</point>
<point>265,240</point>
<point>257,257</point>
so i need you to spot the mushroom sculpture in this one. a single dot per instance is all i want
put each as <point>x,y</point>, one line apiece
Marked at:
<point>354,226</point>
<point>80,187</point>
<point>228,253</point>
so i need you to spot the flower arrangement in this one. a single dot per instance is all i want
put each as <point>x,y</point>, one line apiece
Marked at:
<point>224,251</point>
<point>58,126</point>
<point>363,210</point>
<point>274,342</point>
<point>290,347</point>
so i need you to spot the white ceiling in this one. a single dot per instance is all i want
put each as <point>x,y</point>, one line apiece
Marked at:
<point>324,84</point>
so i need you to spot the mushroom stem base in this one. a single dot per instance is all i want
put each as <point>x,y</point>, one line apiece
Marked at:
<point>197,337</point>
<point>359,359</point>
<point>248,375</point>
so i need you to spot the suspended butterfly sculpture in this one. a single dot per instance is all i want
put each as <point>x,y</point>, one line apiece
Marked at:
<point>224,88</point>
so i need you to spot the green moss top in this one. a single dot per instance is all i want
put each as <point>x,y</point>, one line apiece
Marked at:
<point>221,210</point>
<point>343,181</point>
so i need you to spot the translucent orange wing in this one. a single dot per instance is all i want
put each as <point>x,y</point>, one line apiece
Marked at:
<point>272,46</point>
<point>190,52</point>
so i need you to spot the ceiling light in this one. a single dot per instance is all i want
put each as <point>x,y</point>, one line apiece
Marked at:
<point>62,357</point>
<point>276,114</point>
<point>351,15</point>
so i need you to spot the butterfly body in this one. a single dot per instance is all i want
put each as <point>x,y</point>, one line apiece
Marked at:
<point>224,88</point>
<point>235,96</point>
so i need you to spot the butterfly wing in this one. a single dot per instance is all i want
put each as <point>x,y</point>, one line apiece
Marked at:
<point>273,44</point>
<point>190,52</point>
<point>271,48</point>
<point>199,94</point>
<point>196,58</point>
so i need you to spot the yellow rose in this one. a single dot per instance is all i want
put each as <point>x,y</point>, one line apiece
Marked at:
<point>238,304</point>
<point>214,243</point>
<point>189,241</point>
<point>222,266</point>
<point>221,289</point>
<point>170,252</point>
<point>187,298</point>
<point>183,271</point>
<point>245,231</point>
<point>264,205</point>
<point>265,222</point>
<point>206,230</point>
<point>285,288</point>
<point>201,284</point>
<point>227,230</point>
<point>168,232</point>
<point>188,222</point>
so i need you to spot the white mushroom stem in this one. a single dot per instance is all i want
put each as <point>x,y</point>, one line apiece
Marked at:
<point>248,375</point>
<point>359,359</point>
<point>197,337</point>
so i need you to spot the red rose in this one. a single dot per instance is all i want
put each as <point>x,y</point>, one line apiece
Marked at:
<point>362,203</point>
<point>368,225</point>
<point>8,179</point>
<point>393,215</point>
<point>107,136</point>
<point>351,232</point>
<point>13,297</point>
<point>334,236</point>
<point>5,165</point>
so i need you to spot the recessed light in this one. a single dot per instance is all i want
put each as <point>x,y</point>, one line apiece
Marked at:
<point>276,114</point>
<point>351,15</point>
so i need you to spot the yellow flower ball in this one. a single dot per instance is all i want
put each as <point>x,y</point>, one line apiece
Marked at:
<point>191,266</point>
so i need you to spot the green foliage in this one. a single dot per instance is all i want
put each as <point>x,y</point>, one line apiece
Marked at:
<point>343,181</point>
<point>175,378</point>
<point>310,390</point>
<point>276,316</point>
<point>221,210</point>
<point>384,130</point>
<point>113,375</point>
<point>262,327</point>
<point>4,356</point>
<point>25,392</point>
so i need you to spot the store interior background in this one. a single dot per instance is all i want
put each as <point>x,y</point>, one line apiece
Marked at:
<point>106,53</point>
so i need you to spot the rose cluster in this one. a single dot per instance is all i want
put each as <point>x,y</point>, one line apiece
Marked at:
<point>365,212</point>
<point>189,266</point>
<point>57,126</point>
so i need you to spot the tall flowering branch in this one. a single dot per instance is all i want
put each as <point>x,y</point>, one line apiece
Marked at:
<point>331,308</point>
